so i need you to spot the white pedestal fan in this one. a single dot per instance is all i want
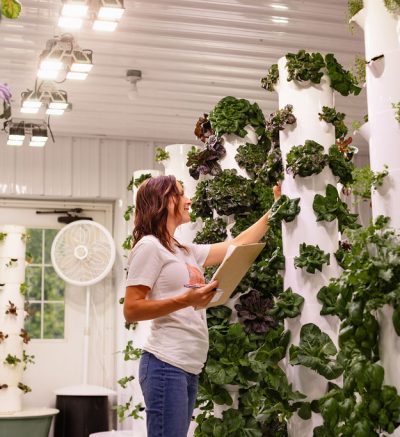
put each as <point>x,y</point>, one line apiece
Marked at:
<point>82,254</point>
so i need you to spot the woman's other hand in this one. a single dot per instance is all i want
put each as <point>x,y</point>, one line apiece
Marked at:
<point>277,191</point>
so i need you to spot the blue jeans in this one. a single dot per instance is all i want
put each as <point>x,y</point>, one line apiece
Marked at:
<point>169,394</point>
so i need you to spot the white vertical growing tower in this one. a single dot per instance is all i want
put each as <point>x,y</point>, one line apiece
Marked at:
<point>382,52</point>
<point>176,165</point>
<point>12,314</point>
<point>307,101</point>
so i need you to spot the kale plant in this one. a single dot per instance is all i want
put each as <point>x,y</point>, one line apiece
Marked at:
<point>340,166</point>
<point>229,193</point>
<point>214,231</point>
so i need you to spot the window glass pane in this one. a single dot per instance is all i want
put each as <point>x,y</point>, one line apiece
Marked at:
<point>34,245</point>
<point>33,279</point>
<point>32,323</point>
<point>53,285</point>
<point>49,235</point>
<point>53,321</point>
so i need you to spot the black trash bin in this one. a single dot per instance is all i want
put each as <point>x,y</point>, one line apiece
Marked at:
<point>81,416</point>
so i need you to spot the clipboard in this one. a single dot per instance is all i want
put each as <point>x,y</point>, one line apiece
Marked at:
<point>235,265</point>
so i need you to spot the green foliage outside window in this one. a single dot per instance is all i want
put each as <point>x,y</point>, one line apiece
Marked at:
<point>44,288</point>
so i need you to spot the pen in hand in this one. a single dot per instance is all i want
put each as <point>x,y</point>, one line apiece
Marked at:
<point>199,286</point>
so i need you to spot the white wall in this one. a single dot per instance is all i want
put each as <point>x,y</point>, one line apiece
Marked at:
<point>73,168</point>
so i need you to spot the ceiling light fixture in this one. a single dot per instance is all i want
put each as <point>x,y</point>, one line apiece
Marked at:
<point>18,130</point>
<point>104,14</point>
<point>63,55</point>
<point>55,101</point>
<point>133,76</point>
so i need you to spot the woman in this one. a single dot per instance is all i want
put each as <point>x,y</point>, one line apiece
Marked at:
<point>159,269</point>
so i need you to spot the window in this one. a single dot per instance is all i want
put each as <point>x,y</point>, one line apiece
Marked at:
<point>45,289</point>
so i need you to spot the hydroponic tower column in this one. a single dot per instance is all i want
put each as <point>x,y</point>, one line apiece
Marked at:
<point>382,52</point>
<point>307,100</point>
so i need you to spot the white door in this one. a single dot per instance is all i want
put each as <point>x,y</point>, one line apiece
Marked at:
<point>59,309</point>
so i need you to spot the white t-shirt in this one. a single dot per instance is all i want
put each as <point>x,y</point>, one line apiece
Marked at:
<point>179,338</point>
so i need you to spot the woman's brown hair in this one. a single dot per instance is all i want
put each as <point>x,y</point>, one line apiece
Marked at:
<point>151,210</point>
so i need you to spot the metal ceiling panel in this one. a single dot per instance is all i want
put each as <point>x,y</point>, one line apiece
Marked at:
<point>191,54</point>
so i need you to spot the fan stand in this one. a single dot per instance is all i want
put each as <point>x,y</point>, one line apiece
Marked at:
<point>85,389</point>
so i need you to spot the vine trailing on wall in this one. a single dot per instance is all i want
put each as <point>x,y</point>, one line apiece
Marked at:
<point>246,353</point>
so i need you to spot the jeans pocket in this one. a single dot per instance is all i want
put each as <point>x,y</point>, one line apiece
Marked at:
<point>143,366</point>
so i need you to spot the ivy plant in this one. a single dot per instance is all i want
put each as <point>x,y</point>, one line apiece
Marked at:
<point>205,161</point>
<point>271,79</point>
<point>330,207</point>
<point>311,258</point>
<point>306,160</point>
<point>316,351</point>
<point>330,115</point>
<point>161,155</point>
<point>214,231</point>
<point>341,166</point>
<point>231,116</point>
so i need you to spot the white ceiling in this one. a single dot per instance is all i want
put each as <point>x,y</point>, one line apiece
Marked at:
<point>191,53</point>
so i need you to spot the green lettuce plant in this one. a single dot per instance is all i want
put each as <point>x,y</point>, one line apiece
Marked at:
<point>303,66</point>
<point>200,201</point>
<point>316,351</point>
<point>330,115</point>
<point>231,116</point>
<point>341,166</point>
<point>364,180</point>
<point>161,155</point>
<point>311,258</point>
<point>392,6</point>
<point>330,207</point>
<point>284,209</point>
<point>354,6</point>
<point>341,80</point>
<point>252,157</point>
<point>287,305</point>
<point>10,8</point>
<point>271,79</point>
<point>306,160</point>
<point>396,107</point>
<point>277,122</point>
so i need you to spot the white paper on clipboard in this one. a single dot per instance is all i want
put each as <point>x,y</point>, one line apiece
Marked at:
<point>235,265</point>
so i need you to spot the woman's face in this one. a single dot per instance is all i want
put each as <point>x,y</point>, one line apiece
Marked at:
<point>182,215</point>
